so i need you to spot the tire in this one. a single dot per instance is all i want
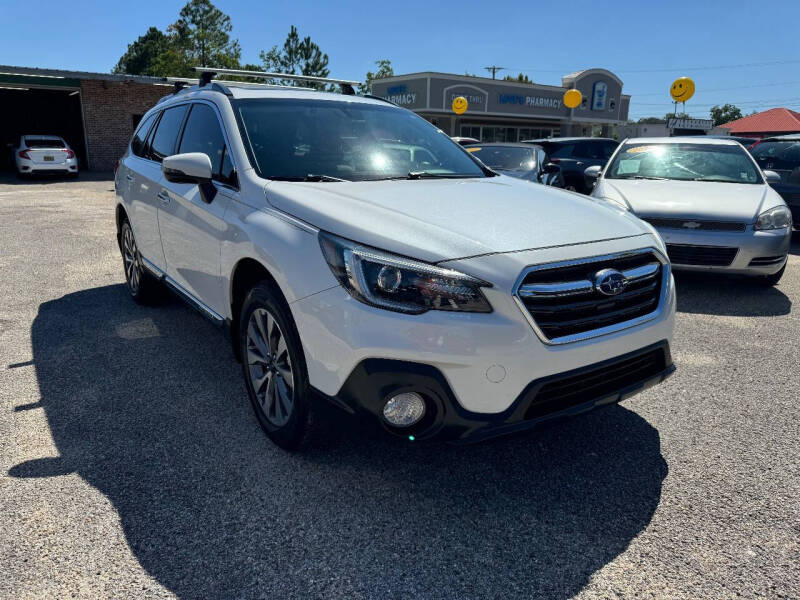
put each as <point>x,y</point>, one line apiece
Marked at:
<point>143,287</point>
<point>771,280</point>
<point>274,369</point>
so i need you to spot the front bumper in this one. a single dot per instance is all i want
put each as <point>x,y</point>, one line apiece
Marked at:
<point>753,248</point>
<point>565,394</point>
<point>485,361</point>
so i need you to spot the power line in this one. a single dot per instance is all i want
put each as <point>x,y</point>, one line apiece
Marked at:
<point>764,101</point>
<point>494,69</point>
<point>730,89</point>
<point>677,69</point>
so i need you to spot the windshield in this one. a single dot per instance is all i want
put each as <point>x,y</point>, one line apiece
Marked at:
<point>44,143</point>
<point>328,140</point>
<point>507,158</point>
<point>684,162</point>
<point>777,155</point>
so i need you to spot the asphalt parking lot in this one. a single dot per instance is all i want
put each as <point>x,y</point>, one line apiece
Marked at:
<point>132,466</point>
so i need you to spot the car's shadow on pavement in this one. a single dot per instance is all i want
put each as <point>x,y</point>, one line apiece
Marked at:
<point>715,294</point>
<point>148,406</point>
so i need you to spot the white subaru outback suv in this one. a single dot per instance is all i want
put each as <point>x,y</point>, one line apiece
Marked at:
<point>360,257</point>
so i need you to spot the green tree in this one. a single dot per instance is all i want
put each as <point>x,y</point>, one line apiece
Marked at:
<point>203,32</point>
<point>141,56</point>
<point>200,37</point>
<point>297,57</point>
<point>384,70</point>
<point>725,114</point>
<point>521,78</point>
<point>651,120</point>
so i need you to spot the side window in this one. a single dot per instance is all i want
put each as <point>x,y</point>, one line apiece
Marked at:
<point>138,141</point>
<point>563,151</point>
<point>166,135</point>
<point>203,134</point>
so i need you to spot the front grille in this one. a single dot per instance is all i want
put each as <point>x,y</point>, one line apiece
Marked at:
<point>565,305</point>
<point>707,256</point>
<point>695,225</point>
<point>595,382</point>
<point>765,261</point>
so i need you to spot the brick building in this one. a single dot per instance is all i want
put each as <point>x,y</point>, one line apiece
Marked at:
<point>95,112</point>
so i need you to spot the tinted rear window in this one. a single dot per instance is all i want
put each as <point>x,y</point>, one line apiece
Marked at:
<point>138,141</point>
<point>166,135</point>
<point>44,143</point>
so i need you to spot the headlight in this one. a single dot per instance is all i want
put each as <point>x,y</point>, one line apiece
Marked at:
<point>775,218</point>
<point>401,284</point>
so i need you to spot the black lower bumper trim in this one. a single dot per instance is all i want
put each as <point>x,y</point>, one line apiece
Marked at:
<point>568,393</point>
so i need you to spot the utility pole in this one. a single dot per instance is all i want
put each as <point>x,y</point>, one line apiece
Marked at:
<point>494,69</point>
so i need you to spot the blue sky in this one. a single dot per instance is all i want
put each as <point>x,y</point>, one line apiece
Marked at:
<point>647,44</point>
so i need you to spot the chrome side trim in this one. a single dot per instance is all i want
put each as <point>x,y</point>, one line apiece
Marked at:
<point>187,297</point>
<point>642,272</point>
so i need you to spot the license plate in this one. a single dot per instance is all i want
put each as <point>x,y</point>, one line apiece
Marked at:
<point>48,158</point>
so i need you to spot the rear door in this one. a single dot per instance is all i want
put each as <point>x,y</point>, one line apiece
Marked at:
<point>138,181</point>
<point>191,228</point>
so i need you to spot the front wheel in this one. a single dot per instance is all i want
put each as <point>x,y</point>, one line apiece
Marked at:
<point>275,370</point>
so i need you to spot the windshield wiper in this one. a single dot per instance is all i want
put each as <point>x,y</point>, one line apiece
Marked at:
<point>309,177</point>
<point>640,177</point>
<point>431,175</point>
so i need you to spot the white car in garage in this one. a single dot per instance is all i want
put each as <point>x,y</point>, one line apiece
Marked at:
<point>40,154</point>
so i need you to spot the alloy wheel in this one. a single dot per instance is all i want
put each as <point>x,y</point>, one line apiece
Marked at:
<point>270,367</point>
<point>130,258</point>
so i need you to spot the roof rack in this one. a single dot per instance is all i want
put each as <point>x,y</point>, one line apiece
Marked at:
<point>209,73</point>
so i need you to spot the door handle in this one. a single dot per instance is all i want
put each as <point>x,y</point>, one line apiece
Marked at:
<point>129,177</point>
<point>164,197</point>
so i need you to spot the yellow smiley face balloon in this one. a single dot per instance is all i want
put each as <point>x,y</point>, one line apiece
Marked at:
<point>682,89</point>
<point>460,105</point>
<point>572,98</point>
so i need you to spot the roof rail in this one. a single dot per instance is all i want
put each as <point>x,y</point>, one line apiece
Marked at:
<point>208,73</point>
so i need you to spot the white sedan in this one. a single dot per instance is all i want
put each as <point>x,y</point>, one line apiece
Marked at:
<point>39,154</point>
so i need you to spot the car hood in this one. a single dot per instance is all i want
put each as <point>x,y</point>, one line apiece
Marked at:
<point>445,219</point>
<point>739,202</point>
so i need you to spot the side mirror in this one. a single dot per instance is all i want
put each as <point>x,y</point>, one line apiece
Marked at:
<point>192,167</point>
<point>772,177</point>
<point>551,168</point>
<point>593,172</point>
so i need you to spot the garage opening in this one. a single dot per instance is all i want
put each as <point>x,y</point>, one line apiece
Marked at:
<point>39,111</point>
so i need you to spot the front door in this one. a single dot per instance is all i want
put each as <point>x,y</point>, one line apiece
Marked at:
<point>192,227</point>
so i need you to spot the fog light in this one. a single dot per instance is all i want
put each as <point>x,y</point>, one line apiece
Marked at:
<point>403,410</point>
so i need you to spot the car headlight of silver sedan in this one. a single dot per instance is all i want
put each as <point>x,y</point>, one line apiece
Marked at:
<point>779,217</point>
<point>398,283</point>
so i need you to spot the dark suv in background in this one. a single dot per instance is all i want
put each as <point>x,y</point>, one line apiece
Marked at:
<point>782,155</point>
<point>574,155</point>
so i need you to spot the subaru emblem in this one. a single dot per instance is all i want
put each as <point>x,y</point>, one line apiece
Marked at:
<point>610,282</point>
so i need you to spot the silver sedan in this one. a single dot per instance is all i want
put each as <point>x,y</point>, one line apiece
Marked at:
<point>707,198</point>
